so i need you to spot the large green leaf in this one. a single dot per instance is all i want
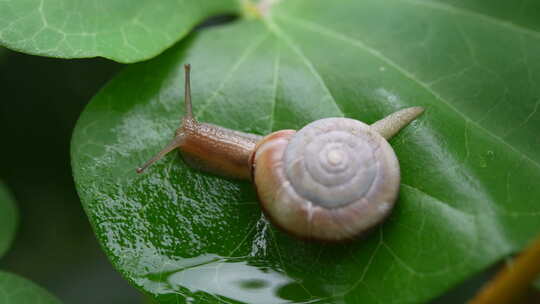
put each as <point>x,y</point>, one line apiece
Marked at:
<point>122,30</point>
<point>469,165</point>
<point>8,219</point>
<point>17,290</point>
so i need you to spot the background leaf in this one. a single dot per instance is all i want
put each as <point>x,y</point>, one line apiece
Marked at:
<point>468,164</point>
<point>8,219</point>
<point>122,30</point>
<point>17,290</point>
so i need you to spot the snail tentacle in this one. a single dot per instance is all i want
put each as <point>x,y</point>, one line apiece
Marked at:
<point>391,124</point>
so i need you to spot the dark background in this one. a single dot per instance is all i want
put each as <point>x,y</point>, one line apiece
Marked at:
<point>41,100</point>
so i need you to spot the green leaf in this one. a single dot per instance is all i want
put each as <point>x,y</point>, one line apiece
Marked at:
<point>8,219</point>
<point>469,165</point>
<point>121,30</point>
<point>17,290</point>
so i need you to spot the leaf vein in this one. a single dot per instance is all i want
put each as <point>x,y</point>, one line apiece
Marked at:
<point>243,56</point>
<point>360,44</point>
<point>309,64</point>
<point>471,13</point>
<point>275,85</point>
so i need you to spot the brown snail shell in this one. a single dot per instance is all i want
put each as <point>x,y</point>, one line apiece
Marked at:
<point>331,181</point>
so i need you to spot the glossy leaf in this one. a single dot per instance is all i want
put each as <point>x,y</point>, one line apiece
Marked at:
<point>121,30</point>
<point>17,290</point>
<point>8,219</point>
<point>469,165</point>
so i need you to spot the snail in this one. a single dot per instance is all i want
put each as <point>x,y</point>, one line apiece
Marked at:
<point>333,180</point>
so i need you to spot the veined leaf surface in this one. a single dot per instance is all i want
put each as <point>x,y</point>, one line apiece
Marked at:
<point>469,165</point>
<point>121,30</point>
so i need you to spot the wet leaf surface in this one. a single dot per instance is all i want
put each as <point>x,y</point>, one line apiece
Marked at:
<point>468,195</point>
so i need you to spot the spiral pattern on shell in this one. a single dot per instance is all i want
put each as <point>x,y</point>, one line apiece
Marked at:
<point>332,180</point>
<point>331,162</point>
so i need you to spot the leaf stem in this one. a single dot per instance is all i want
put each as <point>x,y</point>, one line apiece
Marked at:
<point>257,9</point>
<point>512,282</point>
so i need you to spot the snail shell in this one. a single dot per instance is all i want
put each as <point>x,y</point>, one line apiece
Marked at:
<point>332,180</point>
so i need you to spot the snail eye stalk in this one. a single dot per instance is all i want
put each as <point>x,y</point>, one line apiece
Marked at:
<point>179,138</point>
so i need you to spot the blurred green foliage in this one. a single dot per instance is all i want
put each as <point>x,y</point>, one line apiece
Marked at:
<point>54,246</point>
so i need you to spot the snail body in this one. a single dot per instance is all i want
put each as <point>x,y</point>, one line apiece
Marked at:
<point>333,180</point>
